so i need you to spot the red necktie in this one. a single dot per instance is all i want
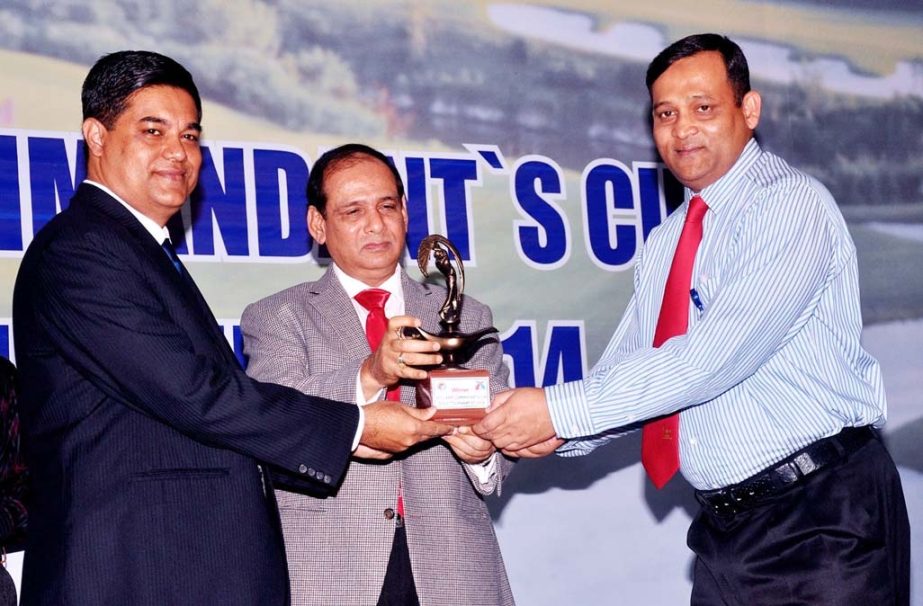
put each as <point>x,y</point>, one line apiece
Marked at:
<point>373,299</point>
<point>660,438</point>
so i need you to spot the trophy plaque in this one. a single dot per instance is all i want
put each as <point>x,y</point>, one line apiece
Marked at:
<point>460,395</point>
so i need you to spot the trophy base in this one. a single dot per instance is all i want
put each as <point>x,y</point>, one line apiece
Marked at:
<point>460,396</point>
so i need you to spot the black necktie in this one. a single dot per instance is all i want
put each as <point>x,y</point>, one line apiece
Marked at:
<point>171,253</point>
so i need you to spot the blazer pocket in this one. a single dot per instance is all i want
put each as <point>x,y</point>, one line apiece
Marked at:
<point>194,474</point>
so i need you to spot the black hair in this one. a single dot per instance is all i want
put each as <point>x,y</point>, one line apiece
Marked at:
<point>734,60</point>
<point>116,76</point>
<point>316,195</point>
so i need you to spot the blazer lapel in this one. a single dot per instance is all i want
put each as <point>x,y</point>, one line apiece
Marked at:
<point>99,201</point>
<point>331,301</point>
<point>421,301</point>
<point>176,289</point>
<point>333,304</point>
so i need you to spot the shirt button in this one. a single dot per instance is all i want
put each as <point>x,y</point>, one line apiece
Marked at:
<point>389,514</point>
<point>693,441</point>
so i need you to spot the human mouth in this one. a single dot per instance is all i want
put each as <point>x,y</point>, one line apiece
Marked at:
<point>686,151</point>
<point>177,175</point>
<point>373,247</point>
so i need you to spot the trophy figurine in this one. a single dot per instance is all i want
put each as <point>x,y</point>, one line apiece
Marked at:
<point>460,395</point>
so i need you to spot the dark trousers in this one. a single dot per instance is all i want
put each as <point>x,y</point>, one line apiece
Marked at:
<point>839,537</point>
<point>399,588</point>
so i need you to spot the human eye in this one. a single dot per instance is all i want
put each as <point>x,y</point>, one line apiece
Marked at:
<point>664,115</point>
<point>192,137</point>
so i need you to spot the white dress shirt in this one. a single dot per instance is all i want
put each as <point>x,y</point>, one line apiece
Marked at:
<point>772,359</point>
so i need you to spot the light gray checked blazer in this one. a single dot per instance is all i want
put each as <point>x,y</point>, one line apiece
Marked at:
<point>309,337</point>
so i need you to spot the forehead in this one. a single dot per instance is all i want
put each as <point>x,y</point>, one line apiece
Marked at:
<point>358,174</point>
<point>161,99</point>
<point>700,73</point>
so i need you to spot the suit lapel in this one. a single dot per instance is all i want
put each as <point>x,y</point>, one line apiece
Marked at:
<point>330,300</point>
<point>96,200</point>
<point>328,297</point>
<point>176,290</point>
<point>421,301</point>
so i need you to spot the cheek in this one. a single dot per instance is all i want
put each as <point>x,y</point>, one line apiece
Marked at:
<point>717,132</point>
<point>662,138</point>
<point>194,155</point>
<point>342,235</point>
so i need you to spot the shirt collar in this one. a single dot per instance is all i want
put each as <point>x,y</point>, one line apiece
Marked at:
<point>158,232</point>
<point>723,190</point>
<point>353,287</point>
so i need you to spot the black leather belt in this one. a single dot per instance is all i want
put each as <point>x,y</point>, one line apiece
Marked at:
<point>758,488</point>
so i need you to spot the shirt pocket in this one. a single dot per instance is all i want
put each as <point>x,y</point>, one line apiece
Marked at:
<point>702,294</point>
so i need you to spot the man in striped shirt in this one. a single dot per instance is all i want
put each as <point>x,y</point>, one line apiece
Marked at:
<point>776,402</point>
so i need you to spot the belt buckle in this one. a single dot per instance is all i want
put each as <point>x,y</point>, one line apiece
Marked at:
<point>732,500</point>
<point>805,463</point>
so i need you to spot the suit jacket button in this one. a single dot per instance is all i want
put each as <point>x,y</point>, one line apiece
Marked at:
<point>302,468</point>
<point>389,514</point>
<point>313,474</point>
<point>327,479</point>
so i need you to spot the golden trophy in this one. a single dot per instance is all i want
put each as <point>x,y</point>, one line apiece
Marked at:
<point>460,395</point>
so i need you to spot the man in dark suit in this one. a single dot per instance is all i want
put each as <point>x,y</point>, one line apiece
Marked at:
<point>141,431</point>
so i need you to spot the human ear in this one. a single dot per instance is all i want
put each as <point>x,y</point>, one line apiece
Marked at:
<point>752,104</point>
<point>317,225</point>
<point>94,135</point>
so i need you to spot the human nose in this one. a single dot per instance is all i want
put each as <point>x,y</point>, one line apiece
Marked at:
<point>684,127</point>
<point>174,149</point>
<point>374,221</point>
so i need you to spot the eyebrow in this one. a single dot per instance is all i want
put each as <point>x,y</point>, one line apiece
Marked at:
<point>699,97</point>
<point>192,125</point>
<point>703,96</point>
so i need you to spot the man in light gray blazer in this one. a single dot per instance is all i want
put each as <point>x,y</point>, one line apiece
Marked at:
<point>360,547</point>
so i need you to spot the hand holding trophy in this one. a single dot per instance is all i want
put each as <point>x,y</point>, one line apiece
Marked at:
<point>460,395</point>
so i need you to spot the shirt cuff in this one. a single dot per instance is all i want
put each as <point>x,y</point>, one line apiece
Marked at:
<point>360,395</point>
<point>485,470</point>
<point>567,406</point>
<point>359,428</point>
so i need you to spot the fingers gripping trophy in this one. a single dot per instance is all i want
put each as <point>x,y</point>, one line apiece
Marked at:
<point>460,395</point>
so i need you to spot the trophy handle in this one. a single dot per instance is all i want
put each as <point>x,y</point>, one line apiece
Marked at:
<point>449,343</point>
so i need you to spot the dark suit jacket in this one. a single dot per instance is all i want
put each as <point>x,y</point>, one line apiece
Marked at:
<point>143,433</point>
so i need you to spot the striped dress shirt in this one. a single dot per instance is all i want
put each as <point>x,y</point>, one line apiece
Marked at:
<point>772,359</point>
